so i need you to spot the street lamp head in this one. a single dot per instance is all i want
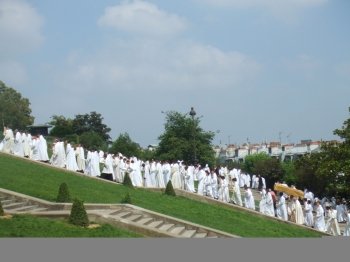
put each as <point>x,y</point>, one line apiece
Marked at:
<point>192,112</point>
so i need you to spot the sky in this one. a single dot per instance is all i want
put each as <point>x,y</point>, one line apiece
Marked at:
<point>254,70</point>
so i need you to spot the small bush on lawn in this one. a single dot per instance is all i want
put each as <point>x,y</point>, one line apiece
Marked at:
<point>2,213</point>
<point>169,190</point>
<point>63,194</point>
<point>78,215</point>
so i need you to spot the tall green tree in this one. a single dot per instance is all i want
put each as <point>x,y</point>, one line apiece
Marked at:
<point>91,122</point>
<point>62,126</point>
<point>184,139</point>
<point>15,110</point>
<point>124,144</point>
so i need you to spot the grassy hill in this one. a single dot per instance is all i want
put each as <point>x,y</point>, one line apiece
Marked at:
<point>40,181</point>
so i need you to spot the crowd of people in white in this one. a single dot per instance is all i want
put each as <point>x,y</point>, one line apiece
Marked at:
<point>219,183</point>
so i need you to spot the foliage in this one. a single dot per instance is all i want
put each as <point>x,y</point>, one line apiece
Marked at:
<point>289,172</point>
<point>184,139</point>
<point>92,141</point>
<point>15,111</point>
<point>169,190</point>
<point>251,160</point>
<point>2,213</point>
<point>63,194</point>
<point>126,199</point>
<point>124,145</point>
<point>62,126</point>
<point>91,122</point>
<point>78,215</point>
<point>127,180</point>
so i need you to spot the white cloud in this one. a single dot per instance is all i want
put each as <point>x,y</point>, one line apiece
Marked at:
<point>147,64</point>
<point>303,63</point>
<point>20,27</point>
<point>142,17</point>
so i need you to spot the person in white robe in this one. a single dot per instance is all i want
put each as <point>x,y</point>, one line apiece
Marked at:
<point>249,201</point>
<point>309,217</point>
<point>88,165</point>
<point>269,208</point>
<point>80,156</point>
<point>190,179</point>
<point>138,180</point>
<point>262,203</point>
<point>9,141</point>
<point>332,226</point>
<point>281,208</point>
<point>241,180</point>
<point>107,170</point>
<point>159,178</point>
<point>35,149</point>
<point>166,170</point>
<point>236,197</point>
<point>319,217</point>
<point>296,211</point>
<point>201,174</point>
<point>341,212</point>
<point>95,164</point>
<point>58,157</point>
<point>153,173</point>
<point>207,185</point>
<point>147,174</point>
<point>18,149</point>
<point>214,184</point>
<point>42,147</point>
<point>176,176</point>
<point>71,160</point>
<point>26,145</point>
<point>346,232</point>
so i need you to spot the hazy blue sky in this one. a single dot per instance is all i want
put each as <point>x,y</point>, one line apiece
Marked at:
<point>252,68</point>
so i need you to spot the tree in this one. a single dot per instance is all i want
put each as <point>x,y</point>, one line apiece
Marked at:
<point>124,145</point>
<point>63,195</point>
<point>91,122</point>
<point>184,139</point>
<point>92,141</point>
<point>78,215</point>
<point>15,110</point>
<point>62,126</point>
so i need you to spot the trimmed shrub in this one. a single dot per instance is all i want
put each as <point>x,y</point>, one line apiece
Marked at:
<point>126,199</point>
<point>63,194</point>
<point>169,190</point>
<point>127,181</point>
<point>78,215</point>
<point>2,213</point>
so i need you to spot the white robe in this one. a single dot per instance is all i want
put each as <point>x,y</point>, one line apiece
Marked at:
<point>282,208</point>
<point>319,219</point>
<point>332,226</point>
<point>159,179</point>
<point>26,145</point>
<point>176,176</point>
<point>18,149</point>
<point>147,175</point>
<point>200,176</point>
<point>80,155</point>
<point>269,208</point>
<point>95,164</point>
<point>42,147</point>
<point>166,170</point>
<point>249,199</point>
<point>236,193</point>
<point>35,150</point>
<point>153,174</point>
<point>309,217</point>
<point>347,227</point>
<point>71,160</point>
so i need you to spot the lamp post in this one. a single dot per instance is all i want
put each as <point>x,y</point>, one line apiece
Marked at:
<point>193,114</point>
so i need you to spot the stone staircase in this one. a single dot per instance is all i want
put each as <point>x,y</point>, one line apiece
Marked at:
<point>134,218</point>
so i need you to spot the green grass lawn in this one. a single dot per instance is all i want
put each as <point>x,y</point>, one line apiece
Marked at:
<point>43,182</point>
<point>30,226</point>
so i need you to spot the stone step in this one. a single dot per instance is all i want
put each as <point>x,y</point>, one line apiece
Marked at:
<point>145,220</point>
<point>189,233</point>
<point>200,235</point>
<point>24,208</point>
<point>155,224</point>
<point>166,227</point>
<point>178,230</point>
<point>39,209</point>
<point>122,214</point>
<point>7,201</point>
<point>134,217</point>
<point>14,205</point>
